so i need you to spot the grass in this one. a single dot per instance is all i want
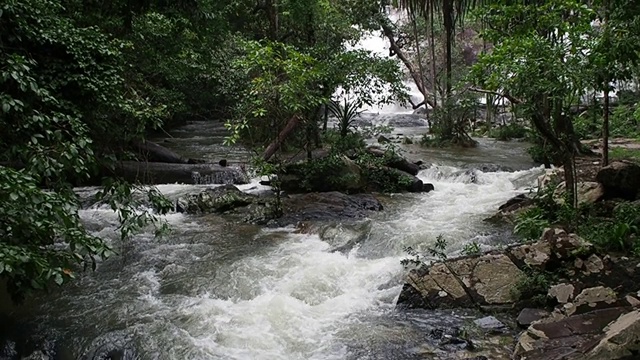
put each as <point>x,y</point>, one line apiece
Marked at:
<point>620,153</point>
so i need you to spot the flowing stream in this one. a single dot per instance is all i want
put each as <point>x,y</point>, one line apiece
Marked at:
<point>214,289</point>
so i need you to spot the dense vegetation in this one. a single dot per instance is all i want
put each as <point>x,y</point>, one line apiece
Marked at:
<point>82,81</point>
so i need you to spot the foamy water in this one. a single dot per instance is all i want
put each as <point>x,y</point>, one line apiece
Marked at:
<point>216,290</point>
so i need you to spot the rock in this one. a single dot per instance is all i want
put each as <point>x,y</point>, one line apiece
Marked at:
<point>588,192</point>
<point>484,280</point>
<point>551,177</point>
<point>396,162</point>
<point>427,187</point>
<point>337,174</point>
<point>508,211</point>
<point>383,139</point>
<point>490,324</point>
<point>223,162</point>
<point>565,338</point>
<point>621,339</point>
<point>562,292</point>
<point>169,173</point>
<point>620,179</point>
<point>327,206</point>
<point>488,167</point>
<point>529,315</point>
<point>214,200</point>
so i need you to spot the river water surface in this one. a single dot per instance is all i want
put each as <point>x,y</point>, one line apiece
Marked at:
<point>213,289</point>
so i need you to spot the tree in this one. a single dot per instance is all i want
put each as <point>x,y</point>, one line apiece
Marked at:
<point>451,12</point>
<point>63,101</point>
<point>538,62</point>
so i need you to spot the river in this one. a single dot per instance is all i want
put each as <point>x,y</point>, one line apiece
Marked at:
<point>213,289</point>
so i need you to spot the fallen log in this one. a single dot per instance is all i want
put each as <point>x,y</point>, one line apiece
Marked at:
<point>170,173</point>
<point>153,152</point>
<point>277,142</point>
<point>396,162</point>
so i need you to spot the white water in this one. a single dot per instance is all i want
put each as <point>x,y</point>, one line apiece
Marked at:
<point>212,292</point>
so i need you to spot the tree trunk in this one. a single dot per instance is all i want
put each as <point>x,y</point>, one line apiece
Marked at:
<point>388,32</point>
<point>447,13</point>
<point>418,53</point>
<point>277,142</point>
<point>434,84</point>
<point>605,124</point>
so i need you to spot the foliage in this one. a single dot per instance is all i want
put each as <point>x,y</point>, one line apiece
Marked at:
<point>471,249</point>
<point>609,230</point>
<point>509,132</point>
<point>64,102</point>
<point>531,289</point>
<point>346,114</point>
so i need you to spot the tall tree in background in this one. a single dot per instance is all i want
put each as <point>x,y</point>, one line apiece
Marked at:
<point>451,12</point>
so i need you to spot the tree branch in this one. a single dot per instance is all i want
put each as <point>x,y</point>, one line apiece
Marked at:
<point>506,96</point>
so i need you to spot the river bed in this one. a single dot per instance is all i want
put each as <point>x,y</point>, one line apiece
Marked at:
<point>214,289</point>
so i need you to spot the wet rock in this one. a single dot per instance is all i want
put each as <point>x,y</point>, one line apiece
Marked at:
<point>565,338</point>
<point>490,324</point>
<point>327,206</point>
<point>214,200</point>
<point>383,139</point>
<point>396,162</point>
<point>620,179</point>
<point>529,315</point>
<point>508,211</point>
<point>427,187</point>
<point>488,167</point>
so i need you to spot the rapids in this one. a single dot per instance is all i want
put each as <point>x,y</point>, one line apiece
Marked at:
<point>218,290</point>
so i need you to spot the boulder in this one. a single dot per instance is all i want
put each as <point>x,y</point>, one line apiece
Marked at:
<point>529,315</point>
<point>508,211</point>
<point>327,206</point>
<point>621,179</point>
<point>588,192</point>
<point>489,279</point>
<point>214,200</point>
<point>621,339</point>
<point>395,162</point>
<point>330,174</point>
<point>484,280</point>
<point>170,173</point>
<point>383,139</point>
<point>297,208</point>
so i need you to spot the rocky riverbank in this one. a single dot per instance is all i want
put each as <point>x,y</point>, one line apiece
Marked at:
<point>573,299</point>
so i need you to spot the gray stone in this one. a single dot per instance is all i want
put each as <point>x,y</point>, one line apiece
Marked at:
<point>490,323</point>
<point>530,315</point>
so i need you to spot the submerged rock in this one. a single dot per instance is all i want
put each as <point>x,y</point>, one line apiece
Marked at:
<point>325,206</point>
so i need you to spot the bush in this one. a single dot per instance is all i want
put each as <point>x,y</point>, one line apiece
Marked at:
<point>508,132</point>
